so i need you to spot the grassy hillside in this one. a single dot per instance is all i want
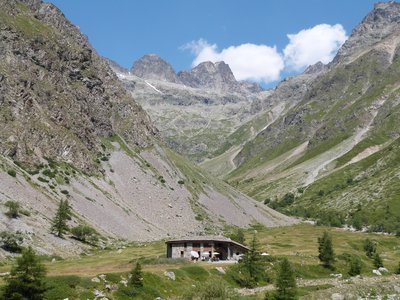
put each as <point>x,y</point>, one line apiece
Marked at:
<point>345,128</point>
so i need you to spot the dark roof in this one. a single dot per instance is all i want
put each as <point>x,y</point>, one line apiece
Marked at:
<point>206,238</point>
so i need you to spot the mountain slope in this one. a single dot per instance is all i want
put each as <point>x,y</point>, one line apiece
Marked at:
<point>71,131</point>
<point>347,114</point>
<point>196,115</point>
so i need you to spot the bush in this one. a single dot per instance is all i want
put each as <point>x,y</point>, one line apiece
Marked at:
<point>355,266</point>
<point>11,242</point>
<point>49,173</point>
<point>267,201</point>
<point>42,179</point>
<point>181,181</point>
<point>14,209</point>
<point>12,173</point>
<point>85,233</point>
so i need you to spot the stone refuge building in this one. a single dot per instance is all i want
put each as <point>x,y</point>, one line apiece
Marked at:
<point>205,248</point>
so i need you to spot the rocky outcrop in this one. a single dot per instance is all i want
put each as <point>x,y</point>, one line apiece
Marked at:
<point>58,96</point>
<point>152,66</point>
<point>381,23</point>
<point>216,76</point>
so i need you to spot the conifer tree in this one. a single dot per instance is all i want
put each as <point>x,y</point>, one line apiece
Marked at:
<point>378,263</point>
<point>26,279</point>
<point>252,264</point>
<point>136,278</point>
<point>286,288</point>
<point>59,224</point>
<point>355,266</point>
<point>325,248</point>
<point>369,248</point>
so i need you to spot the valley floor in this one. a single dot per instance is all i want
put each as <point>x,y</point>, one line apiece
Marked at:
<point>298,243</point>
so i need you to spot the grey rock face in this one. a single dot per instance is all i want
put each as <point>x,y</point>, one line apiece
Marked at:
<point>382,22</point>
<point>58,97</point>
<point>152,66</point>
<point>215,76</point>
<point>315,68</point>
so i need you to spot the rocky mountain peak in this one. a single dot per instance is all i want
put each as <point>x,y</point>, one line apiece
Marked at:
<point>216,76</point>
<point>151,66</point>
<point>315,68</point>
<point>381,23</point>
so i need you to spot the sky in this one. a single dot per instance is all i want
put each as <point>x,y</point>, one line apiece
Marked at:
<point>262,40</point>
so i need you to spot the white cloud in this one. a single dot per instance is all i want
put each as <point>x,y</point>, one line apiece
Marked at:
<point>259,63</point>
<point>309,46</point>
<point>262,63</point>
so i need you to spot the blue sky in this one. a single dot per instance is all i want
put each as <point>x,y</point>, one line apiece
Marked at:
<point>251,34</point>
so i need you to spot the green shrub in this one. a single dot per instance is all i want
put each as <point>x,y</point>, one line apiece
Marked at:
<point>11,242</point>
<point>181,181</point>
<point>12,173</point>
<point>85,233</point>
<point>65,192</point>
<point>42,179</point>
<point>49,173</point>
<point>14,209</point>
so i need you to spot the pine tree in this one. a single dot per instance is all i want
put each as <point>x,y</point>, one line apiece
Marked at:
<point>369,248</point>
<point>325,248</point>
<point>63,214</point>
<point>355,266</point>
<point>136,278</point>
<point>26,279</point>
<point>286,288</point>
<point>378,263</point>
<point>252,264</point>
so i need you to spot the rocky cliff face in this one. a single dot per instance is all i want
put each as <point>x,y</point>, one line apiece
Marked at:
<point>152,66</point>
<point>58,97</point>
<point>215,76</point>
<point>69,130</point>
<point>382,23</point>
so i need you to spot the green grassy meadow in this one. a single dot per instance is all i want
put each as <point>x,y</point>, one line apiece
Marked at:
<point>72,277</point>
